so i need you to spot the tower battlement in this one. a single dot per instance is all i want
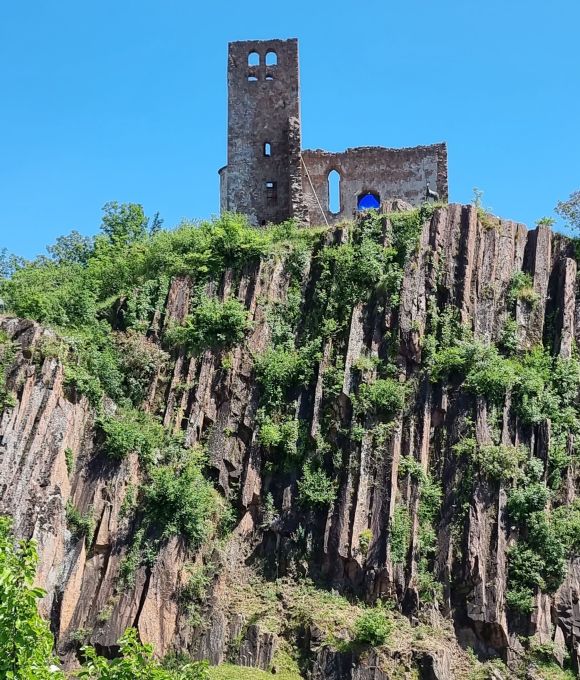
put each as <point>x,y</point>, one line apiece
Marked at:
<point>270,179</point>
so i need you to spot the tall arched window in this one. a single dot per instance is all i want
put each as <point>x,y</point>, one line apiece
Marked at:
<point>271,58</point>
<point>253,59</point>
<point>334,204</point>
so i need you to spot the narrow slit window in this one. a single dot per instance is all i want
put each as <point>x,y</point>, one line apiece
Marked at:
<point>271,193</point>
<point>271,58</point>
<point>334,192</point>
<point>252,78</point>
<point>253,59</point>
<point>267,149</point>
<point>269,76</point>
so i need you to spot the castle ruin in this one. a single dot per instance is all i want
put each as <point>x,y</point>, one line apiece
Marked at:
<point>268,176</point>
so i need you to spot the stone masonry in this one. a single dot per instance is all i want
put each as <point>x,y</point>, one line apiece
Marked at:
<point>270,179</point>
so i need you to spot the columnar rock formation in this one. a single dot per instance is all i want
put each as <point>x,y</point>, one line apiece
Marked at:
<point>463,261</point>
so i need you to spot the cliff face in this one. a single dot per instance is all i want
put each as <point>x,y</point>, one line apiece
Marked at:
<point>445,563</point>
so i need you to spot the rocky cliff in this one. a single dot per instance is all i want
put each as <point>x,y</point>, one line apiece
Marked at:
<point>401,385</point>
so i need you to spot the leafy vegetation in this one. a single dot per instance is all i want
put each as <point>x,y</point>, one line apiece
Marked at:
<point>80,525</point>
<point>400,534</point>
<point>7,356</point>
<point>280,369</point>
<point>521,288</point>
<point>496,461</point>
<point>180,501</point>
<point>135,662</point>
<point>569,210</point>
<point>373,627</point>
<point>25,639</point>
<point>316,489</point>
<point>131,431</point>
<point>212,325</point>
<point>384,397</point>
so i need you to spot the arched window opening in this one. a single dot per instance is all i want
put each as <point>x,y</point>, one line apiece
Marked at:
<point>369,200</point>
<point>269,76</point>
<point>271,58</point>
<point>267,149</point>
<point>271,193</point>
<point>253,59</point>
<point>334,192</point>
<point>252,79</point>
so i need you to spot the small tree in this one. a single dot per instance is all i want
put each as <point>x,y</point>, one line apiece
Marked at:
<point>73,248</point>
<point>570,210</point>
<point>124,223</point>
<point>25,639</point>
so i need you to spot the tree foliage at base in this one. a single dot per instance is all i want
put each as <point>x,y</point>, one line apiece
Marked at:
<point>25,639</point>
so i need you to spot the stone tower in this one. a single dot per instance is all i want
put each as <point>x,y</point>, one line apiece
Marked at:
<point>262,178</point>
<point>270,178</point>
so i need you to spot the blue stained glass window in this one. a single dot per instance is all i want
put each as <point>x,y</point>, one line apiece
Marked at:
<point>368,201</point>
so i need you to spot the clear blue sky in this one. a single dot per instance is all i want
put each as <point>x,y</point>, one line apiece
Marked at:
<point>126,100</point>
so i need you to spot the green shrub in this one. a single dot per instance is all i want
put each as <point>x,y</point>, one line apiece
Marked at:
<point>281,433</point>
<point>410,466</point>
<point>526,499</point>
<point>521,288</point>
<point>7,359</point>
<point>26,644</point>
<point>536,562</point>
<point>400,534</point>
<point>520,599</point>
<point>92,362</point>
<point>212,325</point>
<point>129,431</point>
<point>69,458</point>
<point>485,371</point>
<point>80,524</point>
<point>136,660</point>
<point>384,397</point>
<point>57,294</point>
<point>364,540</point>
<point>566,520</point>
<point>132,560</point>
<point>499,461</point>
<point>142,361</point>
<point>280,369</point>
<point>508,341</point>
<point>316,489</point>
<point>180,501</point>
<point>429,588</point>
<point>194,592</point>
<point>373,627</point>
<point>270,433</point>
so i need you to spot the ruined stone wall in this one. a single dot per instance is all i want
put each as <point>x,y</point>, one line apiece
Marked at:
<point>392,173</point>
<point>261,101</point>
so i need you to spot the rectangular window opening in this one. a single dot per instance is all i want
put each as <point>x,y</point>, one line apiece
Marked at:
<point>271,193</point>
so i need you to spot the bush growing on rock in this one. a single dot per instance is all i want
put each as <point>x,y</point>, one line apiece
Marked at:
<point>131,431</point>
<point>212,325</point>
<point>373,627</point>
<point>180,501</point>
<point>316,489</point>
<point>384,397</point>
